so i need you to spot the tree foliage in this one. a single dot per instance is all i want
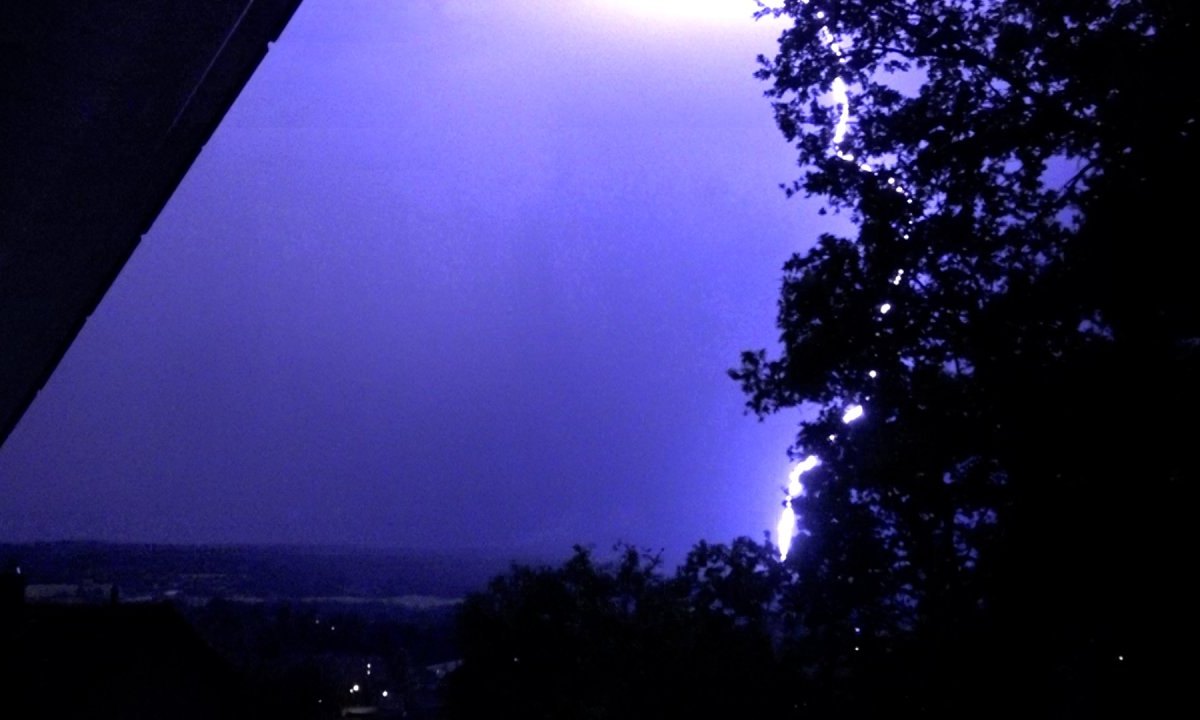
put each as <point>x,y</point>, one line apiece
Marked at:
<point>620,639</point>
<point>1029,395</point>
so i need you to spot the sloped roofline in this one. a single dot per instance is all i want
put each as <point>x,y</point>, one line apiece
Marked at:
<point>103,109</point>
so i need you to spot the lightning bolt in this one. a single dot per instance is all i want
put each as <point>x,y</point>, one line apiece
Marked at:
<point>839,91</point>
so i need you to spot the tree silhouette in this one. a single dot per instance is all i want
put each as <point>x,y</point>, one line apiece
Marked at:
<point>621,640</point>
<point>1015,317</point>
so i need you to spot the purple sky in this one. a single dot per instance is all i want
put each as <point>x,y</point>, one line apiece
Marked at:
<point>449,274</point>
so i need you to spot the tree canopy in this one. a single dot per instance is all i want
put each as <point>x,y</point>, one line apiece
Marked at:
<point>1014,316</point>
<point>620,639</point>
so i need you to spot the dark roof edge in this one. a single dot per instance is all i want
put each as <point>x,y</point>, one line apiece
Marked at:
<point>244,47</point>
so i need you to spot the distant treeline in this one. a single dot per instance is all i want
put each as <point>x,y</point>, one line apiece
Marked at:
<point>269,572</point>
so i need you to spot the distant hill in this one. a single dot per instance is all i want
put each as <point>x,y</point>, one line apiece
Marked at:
<point>255,571</point>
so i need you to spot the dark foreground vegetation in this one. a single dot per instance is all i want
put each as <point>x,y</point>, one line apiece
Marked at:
<point>94,630</point>
<point>734,633</point>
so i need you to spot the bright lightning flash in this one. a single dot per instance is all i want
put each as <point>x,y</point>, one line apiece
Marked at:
<point>840,95</point>
<point>786,528</point>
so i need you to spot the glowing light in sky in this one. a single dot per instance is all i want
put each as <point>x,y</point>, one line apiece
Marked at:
<point>840,95</point>
<point>674,11</point>
<point>795,487</point>
<point>786,528</point>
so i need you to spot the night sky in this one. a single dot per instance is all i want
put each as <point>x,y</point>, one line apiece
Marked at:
<point>448,275</point>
